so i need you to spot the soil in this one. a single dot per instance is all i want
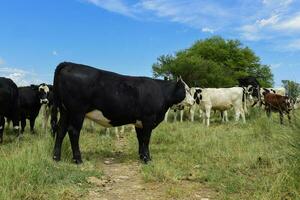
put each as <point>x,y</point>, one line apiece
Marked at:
<point>124,181</point>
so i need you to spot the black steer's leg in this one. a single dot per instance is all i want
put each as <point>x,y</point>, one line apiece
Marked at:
<point>2,123</point>
<point>32,122</point>
<point>61,133</point>
<point>143,136</point>
<point>147,136</point>
<point>74,133</point>
<point>139,136</point>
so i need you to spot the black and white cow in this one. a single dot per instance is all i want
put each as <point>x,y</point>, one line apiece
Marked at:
<point>31,98</point>
<point>221,99</point>
<point>46,109</point>
<point>8,104</point>
<point>252,86</point>
<point>191,109</point>
<point>111,99</point>
<point>280,90</point>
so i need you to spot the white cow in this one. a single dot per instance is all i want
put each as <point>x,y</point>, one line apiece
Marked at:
<point>222,99</point>
<point>192,110</point>
<point>175,109</point>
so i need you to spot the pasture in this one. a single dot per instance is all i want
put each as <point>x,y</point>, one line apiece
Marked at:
<point>256,160</point>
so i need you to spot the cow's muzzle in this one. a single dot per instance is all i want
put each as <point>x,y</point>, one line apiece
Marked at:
<point>44,101</point>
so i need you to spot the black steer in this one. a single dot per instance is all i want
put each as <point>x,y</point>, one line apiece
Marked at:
<point>31,98</point>
<point>111,99</point>
<point>8,104</point>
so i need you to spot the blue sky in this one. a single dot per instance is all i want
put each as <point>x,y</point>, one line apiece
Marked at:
<point>126,36</point>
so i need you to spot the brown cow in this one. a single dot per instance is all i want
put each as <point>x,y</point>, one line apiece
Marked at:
<point>277,103</point>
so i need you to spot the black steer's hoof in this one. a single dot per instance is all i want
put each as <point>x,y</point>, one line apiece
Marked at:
<point>141,157</point>
<point>77,161</point>
<point>146,159</point>
<point>56,158</point>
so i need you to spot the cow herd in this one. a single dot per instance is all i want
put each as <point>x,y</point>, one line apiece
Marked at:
<point>112,100</point>
<point>248,94</point>
<point>19,104</point>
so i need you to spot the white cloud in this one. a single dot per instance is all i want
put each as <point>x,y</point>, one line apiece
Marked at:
<point>277,3</point>
<point>20,77</point>
<point>54,53</point>
<point>209,30</point>
<point>193,13</point>
<point>276,65</point>
<point>252,20</point>
<point>269,21</point>
<point>117,6</point>
<point>290,24</point>
<point>257,30</point>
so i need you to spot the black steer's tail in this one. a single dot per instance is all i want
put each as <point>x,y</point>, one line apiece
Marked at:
<point>56,98</point>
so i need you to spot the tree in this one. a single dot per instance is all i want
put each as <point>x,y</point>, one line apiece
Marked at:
<point>292,88</point>
<point>213,62</point>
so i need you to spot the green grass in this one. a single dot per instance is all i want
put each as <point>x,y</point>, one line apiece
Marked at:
<point>257,160</point>
<point>27,170</point>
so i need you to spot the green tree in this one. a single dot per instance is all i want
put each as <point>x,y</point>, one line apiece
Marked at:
<point>213,62</point>
<point>292,88</point>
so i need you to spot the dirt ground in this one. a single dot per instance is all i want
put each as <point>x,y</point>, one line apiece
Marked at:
<point>124,181</point>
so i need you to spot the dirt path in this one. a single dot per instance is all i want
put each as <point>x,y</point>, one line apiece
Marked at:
<point>123,181</point>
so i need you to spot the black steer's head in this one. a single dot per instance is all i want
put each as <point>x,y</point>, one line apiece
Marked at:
<point>43,92</point>
<point>182,94</point>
